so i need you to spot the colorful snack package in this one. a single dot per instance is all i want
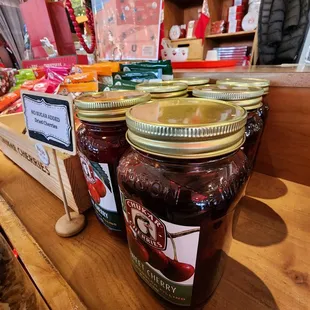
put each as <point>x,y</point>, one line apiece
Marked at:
<point>56,74</point>
<point>8,99</point>
<point>81,78</point>
<point>39,72</point>
<point>104,68</point>
<point>165,65</point>
<point>154,75</point>
<point>15,107</point>
<point>65,89</point>
<point>123,84</point>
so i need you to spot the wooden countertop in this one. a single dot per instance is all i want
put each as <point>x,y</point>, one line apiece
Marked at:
<point>268,266</point>
<point>280,76</point>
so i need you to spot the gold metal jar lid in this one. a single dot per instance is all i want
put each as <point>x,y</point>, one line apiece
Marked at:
<point>249,82</point>
<point>192,81</point>
<point>108,106</point>
<point>186,128</point>
<point>249,98</point>
<point>162,87</point>
<point>169,95</point>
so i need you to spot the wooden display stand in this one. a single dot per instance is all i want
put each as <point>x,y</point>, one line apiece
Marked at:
<point>15,145</point>
<point>181,12</point>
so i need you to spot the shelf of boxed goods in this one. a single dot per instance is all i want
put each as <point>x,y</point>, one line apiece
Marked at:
<point>266,268</point>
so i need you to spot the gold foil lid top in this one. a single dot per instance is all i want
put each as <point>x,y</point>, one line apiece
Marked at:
<point>248,97</point>
<point>250,82</point>
<point>162,87</point>
<point>186,128</point>
<point>108,106</point>
<point>169,95</point>
<point>192,81</point>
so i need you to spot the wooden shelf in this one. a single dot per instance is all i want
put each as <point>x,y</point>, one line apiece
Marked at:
<point>223,36</point>
<point>186,3</point>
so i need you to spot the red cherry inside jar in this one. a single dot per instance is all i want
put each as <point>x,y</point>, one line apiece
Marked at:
<point>180,184</point>
<point>101,143</point>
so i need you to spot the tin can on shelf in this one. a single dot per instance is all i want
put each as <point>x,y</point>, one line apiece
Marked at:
<point>180,185</point>
<point>101,143</point>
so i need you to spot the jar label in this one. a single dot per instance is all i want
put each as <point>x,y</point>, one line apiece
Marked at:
<point>163,254</point>
<point>100,188</point>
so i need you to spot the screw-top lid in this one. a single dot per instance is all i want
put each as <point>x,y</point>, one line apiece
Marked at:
<point>170,94</point>
<point>192,81</point>
<point>108,106</point>
<point>162,87</point>
<point>249,82</point>
<point>249,98</point>
<point>186,128</point>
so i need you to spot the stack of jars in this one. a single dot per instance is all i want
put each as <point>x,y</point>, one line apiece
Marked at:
<point>177,187</point>
<point>192,82</point>
<point>251,82</point>
<point>166,89</point>
<point>250,98</point>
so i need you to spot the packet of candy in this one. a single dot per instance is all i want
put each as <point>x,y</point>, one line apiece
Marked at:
<point>123,84</point>
<point>65,89</point>
<point>104,68</point>
<point>56,74</point>
<point>81,78</point>
<point>8,99</point>
<point>165,65</point>
<point>39,72</point>
<point>15,107</point>
<point>154,75</point>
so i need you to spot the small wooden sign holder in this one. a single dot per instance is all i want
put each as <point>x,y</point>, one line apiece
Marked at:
<point>47,118</point>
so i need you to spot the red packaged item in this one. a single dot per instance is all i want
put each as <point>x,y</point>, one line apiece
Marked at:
<point>8,99</point>
<point>235,16</point>
<point>241,2</point>
<point>15,107</point>
<point>234,26</point>
<point>39,72</point>
<point>236,9</point>
<point>218,27</point>
<point>57,74</point>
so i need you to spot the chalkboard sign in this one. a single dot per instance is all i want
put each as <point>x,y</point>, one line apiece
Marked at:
<point>49,119</point>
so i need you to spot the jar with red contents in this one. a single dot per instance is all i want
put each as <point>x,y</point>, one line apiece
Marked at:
<point>101,143</point>
<point>250,98</point>
<point>180,184</point>
<point>251,82</point>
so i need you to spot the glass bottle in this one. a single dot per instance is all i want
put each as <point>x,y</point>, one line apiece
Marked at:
<point>180,184</point>
<point>101,143</point>
<point>250,98</point>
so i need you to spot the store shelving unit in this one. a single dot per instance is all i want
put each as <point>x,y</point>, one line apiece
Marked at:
<point>179,12</point>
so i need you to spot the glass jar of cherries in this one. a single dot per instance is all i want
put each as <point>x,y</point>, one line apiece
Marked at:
<point>250,98</point>
<point>180,184</point>
<point>101,143</point>
<point>251,82</point>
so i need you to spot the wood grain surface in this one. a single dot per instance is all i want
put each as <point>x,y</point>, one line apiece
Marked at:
<point>56,291</point>
<point>268,267</point>
<point>295,76</point>
<point>285,146</point>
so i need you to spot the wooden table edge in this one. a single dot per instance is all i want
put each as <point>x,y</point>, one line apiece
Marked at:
<point>53,287</point>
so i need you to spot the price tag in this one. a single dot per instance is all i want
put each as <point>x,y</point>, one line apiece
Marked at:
<point>49,120</point>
